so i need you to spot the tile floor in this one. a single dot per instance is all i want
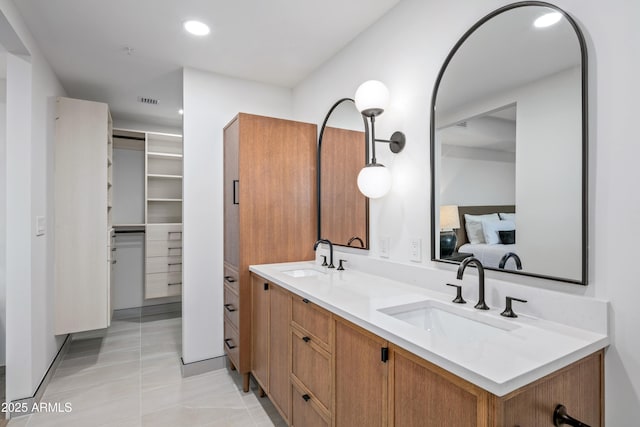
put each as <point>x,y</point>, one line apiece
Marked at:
<point>130,376</point>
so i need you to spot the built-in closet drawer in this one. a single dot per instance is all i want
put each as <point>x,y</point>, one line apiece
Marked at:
<point>311,365</point>
<point>231,342</point>
<point>163,285</point>
<point>164,232</point>
<point>164,264</point>
<point>231,306</point>
<point>164,248</point>
<point>231,278</point>
<point>305,409</point>
<point>314,321</point>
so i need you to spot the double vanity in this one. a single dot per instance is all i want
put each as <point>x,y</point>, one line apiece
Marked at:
<point>335,347</point>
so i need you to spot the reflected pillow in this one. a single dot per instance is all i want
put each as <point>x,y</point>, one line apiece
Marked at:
<point>491,229</point>
<point>509,216</point>
<point>507,237</point>
<point>473,226</point>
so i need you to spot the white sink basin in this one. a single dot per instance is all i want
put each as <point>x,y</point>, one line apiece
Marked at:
<point>443,320</point>
<point>304,272</point>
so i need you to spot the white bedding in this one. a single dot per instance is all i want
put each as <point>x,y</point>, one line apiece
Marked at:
<point>489,255</point>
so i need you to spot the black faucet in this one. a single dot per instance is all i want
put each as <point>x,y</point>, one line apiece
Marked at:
<point>505,258</point>
<point>472,260</point>
<point>355,238</point>
<point>328,242</point>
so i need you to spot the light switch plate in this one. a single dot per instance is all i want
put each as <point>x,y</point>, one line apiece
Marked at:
<point>385,242</point>
<point>416,250</point>
<point>41,225</point>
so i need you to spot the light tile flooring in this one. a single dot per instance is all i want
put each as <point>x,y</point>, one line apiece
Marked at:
<point>130,376</point>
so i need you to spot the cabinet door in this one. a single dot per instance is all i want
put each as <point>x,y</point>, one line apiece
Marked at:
<point>578,387</point>
<point>421,394</point>
<point>231,194</point>
<point>260,331</point>
<point>279,349</point>
<point>360,377</point>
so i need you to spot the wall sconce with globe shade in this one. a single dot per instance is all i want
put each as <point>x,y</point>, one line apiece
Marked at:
<point>374,180</point>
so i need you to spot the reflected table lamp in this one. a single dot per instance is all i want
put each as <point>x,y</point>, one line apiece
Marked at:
<point>449,220</point>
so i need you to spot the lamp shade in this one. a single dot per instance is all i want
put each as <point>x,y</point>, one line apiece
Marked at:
<point>449,217</point>
<point>374,181</point>
<point>372,97</point>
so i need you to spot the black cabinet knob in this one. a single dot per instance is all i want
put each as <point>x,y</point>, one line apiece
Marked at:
<point>306,397</point>
<point>306,339</point>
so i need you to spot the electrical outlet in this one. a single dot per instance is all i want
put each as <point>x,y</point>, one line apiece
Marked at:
<point>415,250</point>
<point>385,242</point>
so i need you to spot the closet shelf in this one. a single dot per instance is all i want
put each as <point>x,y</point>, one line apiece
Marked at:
<point>164,200</point>
<point>158,155</point>
<point>164,176</point>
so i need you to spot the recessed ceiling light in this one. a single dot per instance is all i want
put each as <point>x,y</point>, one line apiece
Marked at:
<point>547,20</point>
<point>181,111</point>
<point>197,28</point>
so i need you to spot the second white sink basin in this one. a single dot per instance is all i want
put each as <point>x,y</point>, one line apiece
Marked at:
<point>441,319</point>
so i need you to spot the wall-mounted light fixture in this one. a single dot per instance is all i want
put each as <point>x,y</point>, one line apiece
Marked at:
<point>374,180</point>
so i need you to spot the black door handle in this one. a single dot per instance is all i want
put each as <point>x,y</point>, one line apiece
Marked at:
<point>230,346</point>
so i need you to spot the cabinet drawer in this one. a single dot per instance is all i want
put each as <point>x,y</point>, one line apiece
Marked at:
<point>163,285</point>
<point>312,366</point>
<point>231,306</point>
<point>164,248</point>
<point>164,264</point>
<point>164,232</point>
<point>231,343</point>
<point>313,320</point>
<point>305,410</point>
<point>231,278</point>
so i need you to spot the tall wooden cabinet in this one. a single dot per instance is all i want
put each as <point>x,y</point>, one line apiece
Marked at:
<point>82,223</point>
<point>270,212</point>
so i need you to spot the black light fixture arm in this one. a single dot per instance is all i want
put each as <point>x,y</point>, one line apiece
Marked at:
<point>396,142</point>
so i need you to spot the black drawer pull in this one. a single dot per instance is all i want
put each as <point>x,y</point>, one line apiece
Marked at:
<point>174,284</point>
<point>306,397</point>
<point>229,346</point>
<point>229,307</point>
<point>174,263</point>
<point>229,279</point>
<point>306,301</point>
<point>306,339</point>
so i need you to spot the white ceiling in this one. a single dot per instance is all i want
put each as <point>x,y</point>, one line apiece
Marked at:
<point>277,41</point>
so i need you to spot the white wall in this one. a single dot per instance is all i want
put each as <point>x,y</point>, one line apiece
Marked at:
<point>31,91</point>
<point>406,49</point>
<point>210,101</point>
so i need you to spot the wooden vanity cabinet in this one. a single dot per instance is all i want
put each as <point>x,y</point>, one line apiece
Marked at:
<point>579,387</point>
<point>270,209</point>
<point>423,394</point>
<point>322,370</point>
<point>270,356</point>
<point>360,375</point>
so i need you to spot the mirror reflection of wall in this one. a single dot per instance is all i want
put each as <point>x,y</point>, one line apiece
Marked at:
<point>343,153</point>
<point>508,133</point>
<point>3,186</point>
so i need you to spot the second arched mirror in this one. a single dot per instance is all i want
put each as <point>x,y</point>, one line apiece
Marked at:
<point>343,212</point>
<point>509,144</point>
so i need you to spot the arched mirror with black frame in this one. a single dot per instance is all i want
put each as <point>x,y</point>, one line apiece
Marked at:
<point>509,145</point>
<point>343,211</point>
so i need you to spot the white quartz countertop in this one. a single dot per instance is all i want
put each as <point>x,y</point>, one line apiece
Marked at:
<point>499,359</point>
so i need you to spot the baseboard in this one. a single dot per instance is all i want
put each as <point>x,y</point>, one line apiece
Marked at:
<point>202,366</point>
<point>27,403</point>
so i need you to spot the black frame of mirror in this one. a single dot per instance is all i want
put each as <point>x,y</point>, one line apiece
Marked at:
<point>585,139</point>
<point>319,174</point>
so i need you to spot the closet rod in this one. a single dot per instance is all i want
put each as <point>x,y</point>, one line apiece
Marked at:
<point>128,231</point>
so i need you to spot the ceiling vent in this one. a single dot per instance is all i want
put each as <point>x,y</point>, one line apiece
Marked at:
<point>149,101</point>
<point>462,124</point>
